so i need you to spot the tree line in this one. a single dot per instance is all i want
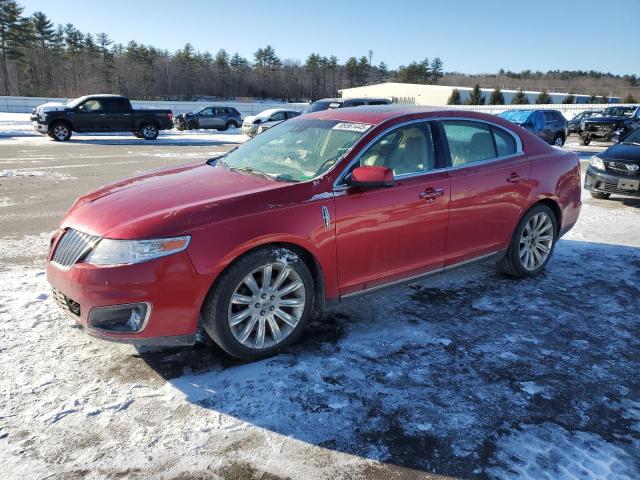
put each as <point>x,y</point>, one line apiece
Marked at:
<point>38,58</point>
<point>476,97</point>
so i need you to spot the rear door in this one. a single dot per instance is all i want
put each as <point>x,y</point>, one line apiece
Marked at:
<point>388,234</point>
<point>119,114</point>
<point>219,117</point>
<point>490,186</point>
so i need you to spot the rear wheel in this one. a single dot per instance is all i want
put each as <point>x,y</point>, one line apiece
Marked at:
<point>600,195</point>
<point>149,131</point>
<point>60,131</point>
<point>230,124</point>
<point>261,304</point>
<point>585,140</point>
<point>532,243</point>
<point>558,141</point>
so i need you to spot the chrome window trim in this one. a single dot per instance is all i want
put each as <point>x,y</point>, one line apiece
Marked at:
<point>339,184</point>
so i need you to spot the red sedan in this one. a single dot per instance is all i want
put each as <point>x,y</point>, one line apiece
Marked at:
<point>322,207</point>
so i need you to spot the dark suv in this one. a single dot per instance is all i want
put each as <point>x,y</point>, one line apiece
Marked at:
<point>327,103</point>
<point>549,125</point>
<point>616,170</point>
<point>613,124</point>
<point>575,123</point>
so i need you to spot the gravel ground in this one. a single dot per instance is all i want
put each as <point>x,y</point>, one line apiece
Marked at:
<point>467,374</point>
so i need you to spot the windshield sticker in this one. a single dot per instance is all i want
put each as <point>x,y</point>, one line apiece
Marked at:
<point>352,127</point>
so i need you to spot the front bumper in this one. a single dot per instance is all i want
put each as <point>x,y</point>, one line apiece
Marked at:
<point>607,182</point>
<point>40,127</point>
<point>170,286</point>
<point>249,129</point>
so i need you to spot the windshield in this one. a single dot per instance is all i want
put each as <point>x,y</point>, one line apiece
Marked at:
<point>618,112</point>
<point>76,101</point>
<point>316,107</point>
<point>516,116</point>
<point>197,110</point>
<point>633,138</point>
<point>297,150</point>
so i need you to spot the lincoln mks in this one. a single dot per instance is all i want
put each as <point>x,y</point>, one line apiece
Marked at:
<point>324,206</point>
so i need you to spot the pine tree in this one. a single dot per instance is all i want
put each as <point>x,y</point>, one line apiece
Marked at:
<point>520,98</point>
<point>543,98</point>
<point>436,68</point>
<point>476,97</point>
<point>569,99</point>
<point>496,97</point>
<point>383,72</point>
<point>455,98</point>
<point>10,30</point>
<point>103,42</point>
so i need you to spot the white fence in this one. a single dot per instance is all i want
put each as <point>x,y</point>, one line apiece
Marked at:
<point>27,104</point>
<point>568,110</point>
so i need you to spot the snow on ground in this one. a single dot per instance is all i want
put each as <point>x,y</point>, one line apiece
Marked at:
<point>468,374</point>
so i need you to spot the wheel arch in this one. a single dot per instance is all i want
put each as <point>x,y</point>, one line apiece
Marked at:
<point>549,202</point>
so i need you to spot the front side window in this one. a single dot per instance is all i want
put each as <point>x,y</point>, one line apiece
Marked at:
<point>276,117</point>
<point>206,112</point>
<point>92,106</point>
<point>298,150</point>
<point>405,150</point>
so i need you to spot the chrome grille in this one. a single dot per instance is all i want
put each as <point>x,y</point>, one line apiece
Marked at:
<point>621,168</point>
<point>67,304</point>
<point>72,247</point>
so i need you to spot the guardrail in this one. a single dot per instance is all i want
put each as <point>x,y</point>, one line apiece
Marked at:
<point>27,104</point>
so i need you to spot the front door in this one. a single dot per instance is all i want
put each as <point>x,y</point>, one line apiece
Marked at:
<point>490,187</point>
<point>389,234</point>
<point>206,118</point>
<point>91,116</point>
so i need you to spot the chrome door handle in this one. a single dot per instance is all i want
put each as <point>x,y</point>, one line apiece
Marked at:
<point>430,194</point>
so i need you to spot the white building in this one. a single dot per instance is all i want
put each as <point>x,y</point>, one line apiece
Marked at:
<point>438,95</point>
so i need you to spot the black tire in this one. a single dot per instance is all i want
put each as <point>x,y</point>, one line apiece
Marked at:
<point>137,134</point>
<point>558,140</point>
<point>149,131</point>
<point>59,131</point>
<point>511,264</point>
<point>192,125</point>
<point>230,124</point>
<point>585,140</point>
<point>600,195</point>
<point>215,310</point>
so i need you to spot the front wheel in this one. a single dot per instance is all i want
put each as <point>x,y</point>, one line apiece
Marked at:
<point>261,304</point>
<point>137,134</point>
<point>600,195</point>
<point>60,132</point>
<point>149,131</point>
<point>532,243</point>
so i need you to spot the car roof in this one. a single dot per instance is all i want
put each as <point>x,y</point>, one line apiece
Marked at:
<point>377,114</point>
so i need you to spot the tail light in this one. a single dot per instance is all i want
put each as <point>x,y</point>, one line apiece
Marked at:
<point>170,115</point>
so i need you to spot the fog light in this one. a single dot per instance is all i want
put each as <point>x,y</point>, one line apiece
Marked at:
<point>120,318</point>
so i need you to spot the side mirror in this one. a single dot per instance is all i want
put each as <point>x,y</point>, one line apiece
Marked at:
<point>372,177</point>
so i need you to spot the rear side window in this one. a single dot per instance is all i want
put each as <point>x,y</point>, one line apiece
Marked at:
<point>469,141</point>
<point>354,104</point>
<point>117,105</point>
<point>377,102</point>
<point>505,143</point>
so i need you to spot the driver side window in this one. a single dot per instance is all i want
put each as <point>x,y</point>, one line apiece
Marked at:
<point>405,150</point>
<point>91,106</point>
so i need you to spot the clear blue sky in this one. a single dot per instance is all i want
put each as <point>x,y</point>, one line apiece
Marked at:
<point>470,36</point>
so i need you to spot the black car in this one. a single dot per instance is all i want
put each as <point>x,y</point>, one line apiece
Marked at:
<point>616,170</point>
<point>99,113</point>
<point>573,125</point>
<point>549,125</point>
<point>216,117</point>
<point>612,124</point>
<point>327,103</point>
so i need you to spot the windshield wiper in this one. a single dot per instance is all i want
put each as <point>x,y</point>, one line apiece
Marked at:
<point>251,171</point>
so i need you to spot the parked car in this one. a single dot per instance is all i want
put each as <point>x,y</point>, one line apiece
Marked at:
<point>264,126</point>
<point>325,206</point>
<point>616,170</point>
<point>270,116</point>
<point>549,125</point>
<point>573,125</point>
<point>327,103</point>
<point>219,118</point>
<point>613,124</point>
<point>99,113</point>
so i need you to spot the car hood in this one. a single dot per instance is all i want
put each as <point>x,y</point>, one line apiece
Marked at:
<point>622,151</point>
<point>605,119</point>
<point>50,107</point>
<point>168,202</point>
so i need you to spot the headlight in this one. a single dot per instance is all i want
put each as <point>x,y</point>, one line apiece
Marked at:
<point>122,252</point>
<point>597,163</point>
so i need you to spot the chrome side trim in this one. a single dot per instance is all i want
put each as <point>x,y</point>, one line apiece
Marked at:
<point>339,184</point>
<point>326,217</point>
<point>420,275</point>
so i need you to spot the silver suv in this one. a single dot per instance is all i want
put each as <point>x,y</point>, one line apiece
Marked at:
<point>327,103</point>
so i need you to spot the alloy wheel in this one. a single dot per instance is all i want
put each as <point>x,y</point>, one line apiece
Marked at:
<point>558,142</point>
<point>149,131</point>
<point>266,306</point>
<point>536,241</point>
<point>60,132</point>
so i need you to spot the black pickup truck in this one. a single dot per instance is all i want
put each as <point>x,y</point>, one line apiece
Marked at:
<point>99,113</point>
<point>612,124</point>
